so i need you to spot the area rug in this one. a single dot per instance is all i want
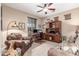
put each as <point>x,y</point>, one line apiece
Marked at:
<point>41,50</point>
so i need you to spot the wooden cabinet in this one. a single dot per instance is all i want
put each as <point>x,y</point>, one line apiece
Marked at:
<point>52,37</point>
<point>58,26</point>
<point>53,32</point>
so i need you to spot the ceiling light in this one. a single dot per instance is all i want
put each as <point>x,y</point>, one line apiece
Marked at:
<point>45,9</point>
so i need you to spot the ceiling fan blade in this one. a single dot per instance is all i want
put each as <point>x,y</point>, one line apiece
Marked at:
<point>45,5</point>
<point>50,4</point>
<point>40,6</point>
<point>52,9</point>
<point>40,10</point>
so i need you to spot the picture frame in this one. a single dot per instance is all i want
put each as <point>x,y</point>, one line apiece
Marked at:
<point>67,16</point>
<point>21,25</point>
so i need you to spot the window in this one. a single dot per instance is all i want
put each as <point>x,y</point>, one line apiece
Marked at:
<point>31,25</point>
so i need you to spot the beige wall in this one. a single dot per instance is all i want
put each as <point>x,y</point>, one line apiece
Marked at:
<point>0,16</point>
<point>67,25</point>
<point>10,14</point>
<point>0,30</point>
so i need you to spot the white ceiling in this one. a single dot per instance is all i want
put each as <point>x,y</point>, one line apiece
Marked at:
<point>32,8</point>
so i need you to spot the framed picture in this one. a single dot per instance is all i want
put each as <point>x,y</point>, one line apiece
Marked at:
<point>21,25</point>
<point>67,16</point>
<point>56,18</point>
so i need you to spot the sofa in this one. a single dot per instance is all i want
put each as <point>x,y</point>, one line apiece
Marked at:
<point>16,40</point>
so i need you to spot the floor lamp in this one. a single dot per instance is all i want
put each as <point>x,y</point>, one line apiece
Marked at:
<point>14,25</point>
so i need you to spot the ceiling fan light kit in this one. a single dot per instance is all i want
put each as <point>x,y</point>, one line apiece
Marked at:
<point>45,9</point>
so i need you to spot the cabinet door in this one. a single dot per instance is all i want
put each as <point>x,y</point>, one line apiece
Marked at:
<point>58,24</point>
<point>57,38</point>
<point>50,25</point>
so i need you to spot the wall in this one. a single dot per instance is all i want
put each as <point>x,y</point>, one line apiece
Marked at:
<point>68,26</point>
<point>0,30</point>
<point>0,16</point>
<point>10,14</point>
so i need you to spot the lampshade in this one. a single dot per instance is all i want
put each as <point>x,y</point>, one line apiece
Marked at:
<point>15,25</point>
<point>12,24</point>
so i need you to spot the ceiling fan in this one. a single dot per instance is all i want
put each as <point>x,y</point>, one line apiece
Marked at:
<point>46,7</point>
